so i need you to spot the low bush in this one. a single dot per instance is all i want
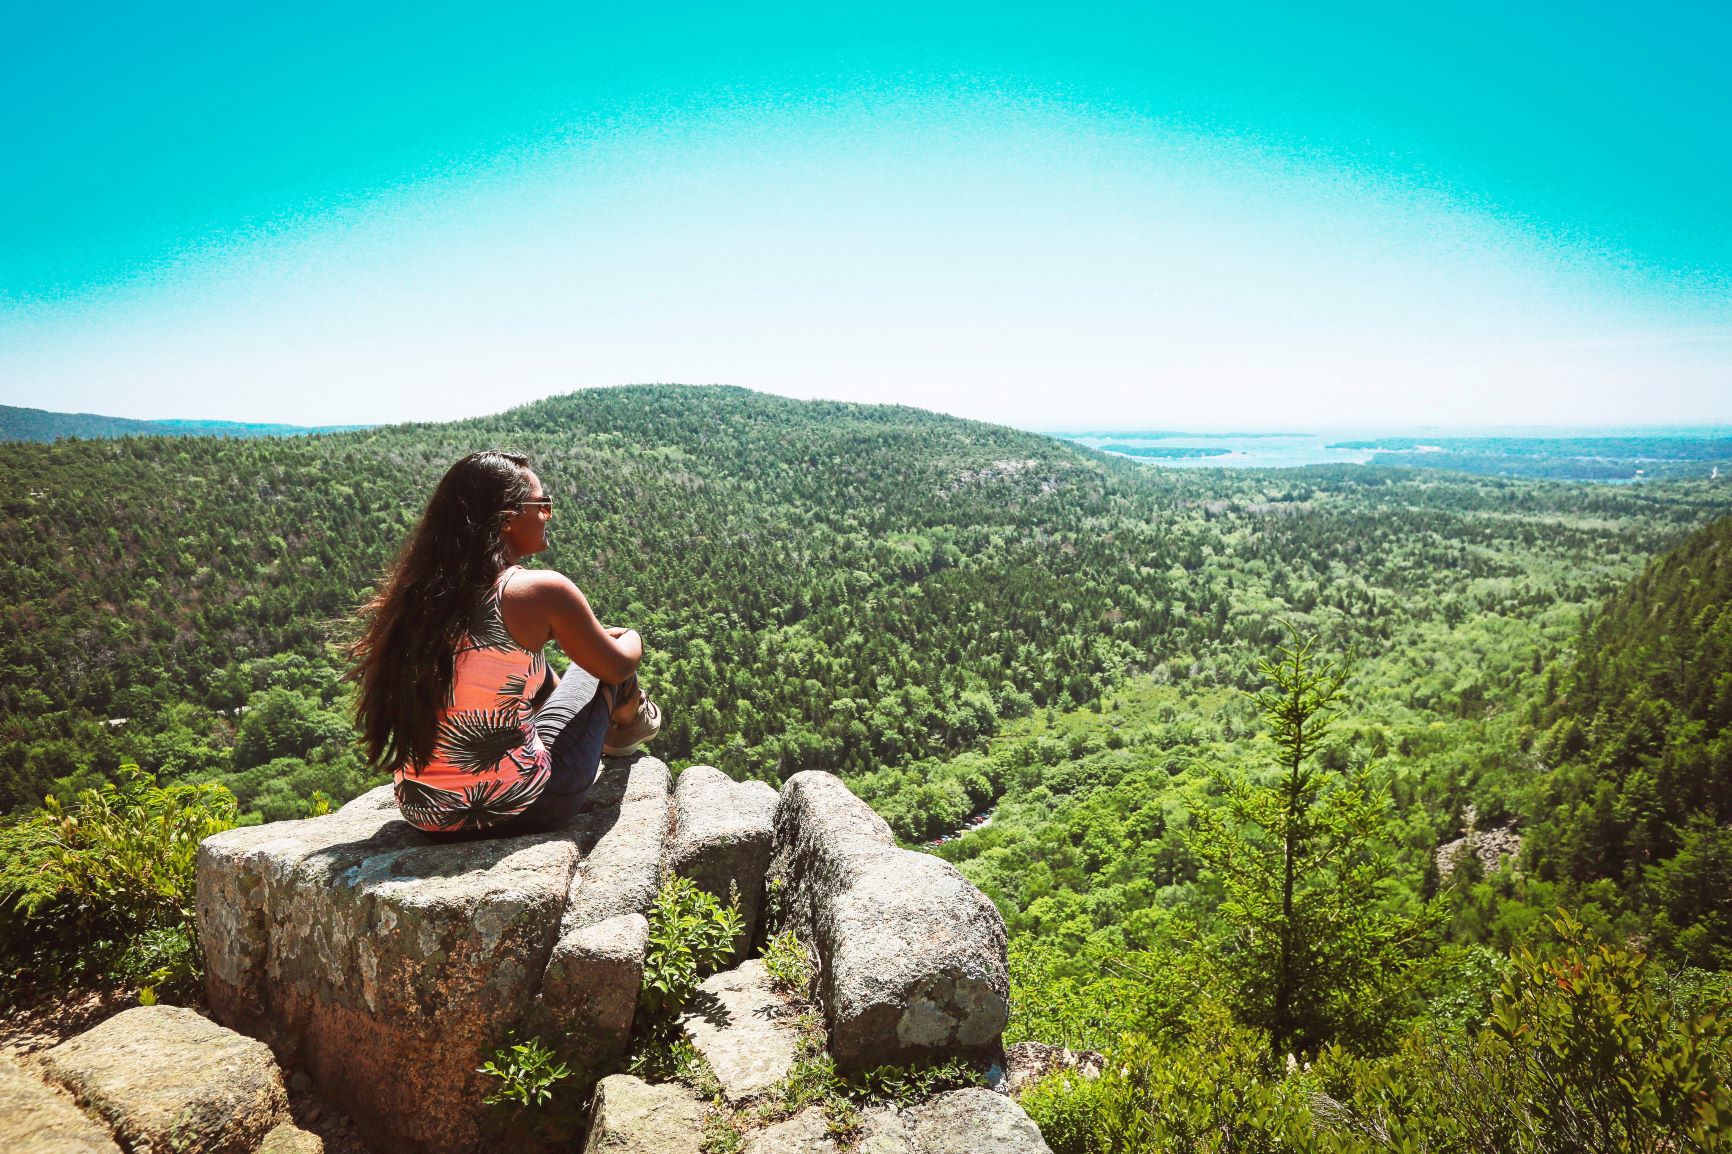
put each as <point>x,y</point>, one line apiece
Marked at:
<point>526,1074</point>
<point>1583,1051</point>
<point>102,889</point>
<point>788,964</point>
<point>691,934</point>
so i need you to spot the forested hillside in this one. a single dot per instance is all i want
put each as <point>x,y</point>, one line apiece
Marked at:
<point>821,585</point>
<point>1603,749</point>
<point>1090,851</point>
<point>957,616</point>
<point>1641,731</point>
<point>19,424</point>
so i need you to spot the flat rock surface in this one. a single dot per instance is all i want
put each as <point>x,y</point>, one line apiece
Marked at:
<point>34,1119</point>
<point>621,837</point>
<point>959,1122</point>
<point>972,1121</point>
<point>883,1131</point>
<point>633,1117</point>
<point>164,1078</point>
<point>740,1025</point>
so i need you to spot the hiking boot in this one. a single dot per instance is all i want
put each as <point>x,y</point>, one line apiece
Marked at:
<point>623,740</point>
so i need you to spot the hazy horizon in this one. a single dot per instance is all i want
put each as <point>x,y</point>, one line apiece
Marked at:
<point>1242,428</point>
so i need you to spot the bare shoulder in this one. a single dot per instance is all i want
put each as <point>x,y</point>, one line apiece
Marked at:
<point>542,587</point>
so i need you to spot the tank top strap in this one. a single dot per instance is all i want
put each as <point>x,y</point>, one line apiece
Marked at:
<point>487,625</point>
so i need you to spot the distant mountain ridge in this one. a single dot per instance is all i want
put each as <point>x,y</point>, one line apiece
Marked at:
<point>21,424</point>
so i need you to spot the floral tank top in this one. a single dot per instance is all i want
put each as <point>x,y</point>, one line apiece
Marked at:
<point>488,762</point>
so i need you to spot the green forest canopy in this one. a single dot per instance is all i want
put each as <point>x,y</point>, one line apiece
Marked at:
<point>956,615</point>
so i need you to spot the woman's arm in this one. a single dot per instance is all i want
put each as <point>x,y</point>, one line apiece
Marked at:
<point>547,606</point>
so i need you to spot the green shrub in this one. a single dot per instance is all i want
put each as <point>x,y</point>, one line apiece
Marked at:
<point>1582,1051</point>
<point>104,887</point>
<point>526,1073</point>
<point>690,934</point>
<point>164,960</point>
<point>788,963</point>
<point>1065,1107</point>
<point>660,1053</point>
<point>722,1134</point>
<point>1211,1089</point>
<point>906,1085</point>
<point>530,1109</point>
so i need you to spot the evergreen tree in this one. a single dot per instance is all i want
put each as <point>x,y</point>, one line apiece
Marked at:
<point>1302,933</point>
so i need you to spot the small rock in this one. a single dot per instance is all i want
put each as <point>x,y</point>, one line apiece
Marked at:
<point>973,1120</point>
<point>883,1131</point>
<point>164,1078</point>
<point>804,1133</point>
<point>739,1025</point>
<point>299,1083</point>
<point>288,1139</point>
<point>588,995</point>
<point>721,839</point>
<point>633,1117</point>
<point>1028,1062</point>
<point>36,1120</point>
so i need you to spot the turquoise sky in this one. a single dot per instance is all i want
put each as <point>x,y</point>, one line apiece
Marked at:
<point>1048,215</point>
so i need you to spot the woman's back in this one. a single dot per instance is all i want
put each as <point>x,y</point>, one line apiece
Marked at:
<point>488,763</point>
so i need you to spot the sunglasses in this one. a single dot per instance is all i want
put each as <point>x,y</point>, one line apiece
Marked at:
<point>544,502</point>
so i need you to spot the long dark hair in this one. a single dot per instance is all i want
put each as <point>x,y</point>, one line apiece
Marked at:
<point>411,628</point>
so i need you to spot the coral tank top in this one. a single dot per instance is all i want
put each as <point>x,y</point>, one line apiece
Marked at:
<point>488,762</point>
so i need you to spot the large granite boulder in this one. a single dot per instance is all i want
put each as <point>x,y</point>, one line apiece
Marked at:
<point>34,1119</point>
<point>588,991</point>
<point>164,1078</point>
<point>721,839</point>
<point>911,957</point>
<point>389,966</point>
<point>588,996</point>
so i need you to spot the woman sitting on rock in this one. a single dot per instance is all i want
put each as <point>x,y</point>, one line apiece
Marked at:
<point>455,697</point>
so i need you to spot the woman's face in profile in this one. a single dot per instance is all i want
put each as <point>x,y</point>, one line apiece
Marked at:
<point>525,530</point>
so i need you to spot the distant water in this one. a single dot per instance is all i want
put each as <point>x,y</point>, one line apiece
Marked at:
<point>1242,450</point>
<point>1293,450</point>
